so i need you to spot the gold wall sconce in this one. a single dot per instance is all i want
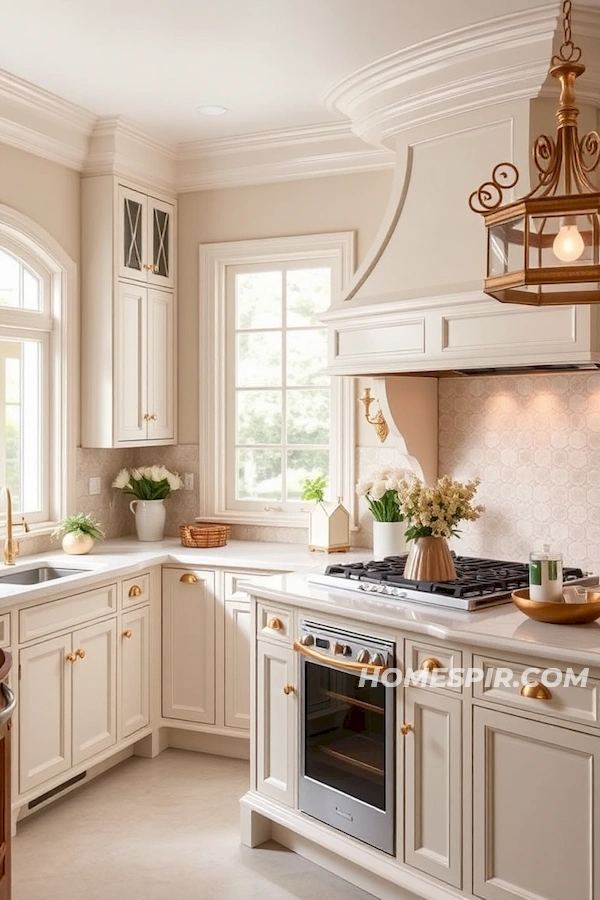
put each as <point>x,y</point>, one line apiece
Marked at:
<point>378,420</point>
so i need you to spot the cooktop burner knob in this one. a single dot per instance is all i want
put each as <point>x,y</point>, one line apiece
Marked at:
<point>307,640</point>
<point>363,656</point>
<point>377,659</point>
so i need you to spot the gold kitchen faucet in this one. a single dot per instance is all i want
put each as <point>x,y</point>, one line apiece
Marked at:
<point>11,547</point>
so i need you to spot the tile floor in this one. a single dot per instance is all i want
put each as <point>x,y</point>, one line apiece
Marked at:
<point>161,829</point>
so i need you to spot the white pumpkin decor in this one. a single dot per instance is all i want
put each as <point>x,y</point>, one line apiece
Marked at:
<point>79,533</point>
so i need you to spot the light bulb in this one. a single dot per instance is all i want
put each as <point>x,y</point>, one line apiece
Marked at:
<point>568,244</point>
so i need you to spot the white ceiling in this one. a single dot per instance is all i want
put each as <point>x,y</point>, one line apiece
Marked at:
<point>269,61</point>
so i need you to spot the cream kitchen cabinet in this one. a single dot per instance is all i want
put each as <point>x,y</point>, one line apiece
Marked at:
<point>145,237</point>
<point>188,628</point>
<point>237,663</point>
<point>67,701</point>
<point>128,315</point>
<point>277,722</point>
<point>536,806</point>
<point>433,783</point>
<point>134,671</point>
<point>144,404</point>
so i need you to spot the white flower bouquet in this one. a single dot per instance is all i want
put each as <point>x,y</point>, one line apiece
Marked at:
<point>380,489</point>
<point>436,510</point>
<point>148,483</point>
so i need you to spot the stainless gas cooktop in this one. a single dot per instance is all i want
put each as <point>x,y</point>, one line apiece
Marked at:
<point>479,582</point>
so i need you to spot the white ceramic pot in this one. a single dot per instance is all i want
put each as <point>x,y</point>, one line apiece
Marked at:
<point>150,518</point>
<point>74,542</point>
<point>388,539</point>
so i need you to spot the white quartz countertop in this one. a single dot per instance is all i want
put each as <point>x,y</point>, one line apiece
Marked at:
<point>118,558</point>
<point>500,628</point>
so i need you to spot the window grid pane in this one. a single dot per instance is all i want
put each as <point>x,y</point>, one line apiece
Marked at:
<point>281,348</point>
<point>20,288</point>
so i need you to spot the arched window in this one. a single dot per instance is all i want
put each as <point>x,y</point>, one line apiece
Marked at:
<point>36,396</point>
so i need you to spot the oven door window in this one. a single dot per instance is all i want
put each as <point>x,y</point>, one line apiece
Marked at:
<point>345,733</point>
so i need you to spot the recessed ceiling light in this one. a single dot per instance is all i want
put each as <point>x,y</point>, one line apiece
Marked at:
<point>212,110</point>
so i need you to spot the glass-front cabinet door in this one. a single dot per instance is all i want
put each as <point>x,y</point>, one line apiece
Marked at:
<point>145,238</point>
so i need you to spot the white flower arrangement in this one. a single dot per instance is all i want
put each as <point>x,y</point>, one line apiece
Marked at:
<point>436,510</point>
<point>380,489</point>
<point>148,483</point>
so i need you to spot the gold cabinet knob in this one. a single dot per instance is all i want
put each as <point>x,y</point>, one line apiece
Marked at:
<point>431,664</point>
<point>149,267</point>
<point>135,591</point>
<point>80,653</point>
<point>188,578</point>
<point>275,624</point>
<point>70,657</point>
<point>288,689</point>
<point>152,417</point>
<point>406,729</point>
<point>128,633</point>
<point>535,691</point>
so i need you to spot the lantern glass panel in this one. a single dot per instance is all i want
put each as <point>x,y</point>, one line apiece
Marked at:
<point>506,248</point>
<point>559,241</point>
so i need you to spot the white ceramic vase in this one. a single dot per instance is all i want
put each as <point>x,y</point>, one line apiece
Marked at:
<point>75,543</point>
<point>388,539</point>
<point>150,518</point>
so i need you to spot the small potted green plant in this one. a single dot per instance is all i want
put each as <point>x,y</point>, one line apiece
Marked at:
<point>329,524</point>
<point>79,533</point>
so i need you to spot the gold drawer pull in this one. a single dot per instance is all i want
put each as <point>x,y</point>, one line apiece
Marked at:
<point>535,691</point>
<point>431,664</point>
<point>188,578</point>
<point>288,689</point>
<point>135,591</point>
<point>406,729</point>
<point>275,624</point>
<point>128,633</point>
<point>80,653</point>
<point>70,657</point>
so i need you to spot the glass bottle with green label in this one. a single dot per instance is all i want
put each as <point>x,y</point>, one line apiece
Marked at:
<point>545,575</point>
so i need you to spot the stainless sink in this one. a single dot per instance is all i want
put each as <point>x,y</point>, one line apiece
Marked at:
<point>38,575</point>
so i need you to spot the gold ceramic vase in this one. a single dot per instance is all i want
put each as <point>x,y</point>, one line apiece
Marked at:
<point>429,559</point>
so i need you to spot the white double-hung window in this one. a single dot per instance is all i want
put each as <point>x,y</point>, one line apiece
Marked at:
<point>36,439</point>
<point>271,416</point>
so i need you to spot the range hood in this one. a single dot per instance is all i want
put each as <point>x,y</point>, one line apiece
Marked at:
<point>451,109</point>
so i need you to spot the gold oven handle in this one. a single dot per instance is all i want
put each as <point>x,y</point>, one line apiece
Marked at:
<point>347,665</point>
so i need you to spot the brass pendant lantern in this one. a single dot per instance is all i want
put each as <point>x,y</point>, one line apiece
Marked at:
<point>545,248</point>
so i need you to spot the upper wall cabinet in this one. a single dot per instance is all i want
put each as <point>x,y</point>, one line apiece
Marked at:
<point>128,361</point>
<point>145,238</point>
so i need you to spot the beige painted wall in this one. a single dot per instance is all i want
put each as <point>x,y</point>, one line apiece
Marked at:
<point>341,203</point>
<point>46,192</point>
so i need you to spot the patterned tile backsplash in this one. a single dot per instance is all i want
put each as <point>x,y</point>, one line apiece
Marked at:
<point>534,440</point>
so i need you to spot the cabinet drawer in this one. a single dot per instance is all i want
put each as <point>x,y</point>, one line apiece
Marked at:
<point>64,613</point>
<point>433,659</point>
<point>571,702</point>
<point>274,623</point>
<point>5,630</point>
<point>135,590</point>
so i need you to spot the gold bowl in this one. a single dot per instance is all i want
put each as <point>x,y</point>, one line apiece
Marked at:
<point>558,613</point>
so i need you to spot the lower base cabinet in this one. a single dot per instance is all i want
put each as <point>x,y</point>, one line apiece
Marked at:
<point>536,797</point>
<point>433,837</point>
<point>237,664</point>
<point>5,812</point>
<point>277,715</point>
<point>134,668</point>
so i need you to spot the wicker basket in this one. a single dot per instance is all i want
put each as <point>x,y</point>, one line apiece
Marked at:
<point>204,535</point>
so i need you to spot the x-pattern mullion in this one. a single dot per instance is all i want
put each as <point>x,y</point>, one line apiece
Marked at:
<point>161,250</point>
<point>135,232</point>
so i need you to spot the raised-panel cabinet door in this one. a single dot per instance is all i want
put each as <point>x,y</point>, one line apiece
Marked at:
<point>188,631</point>
<point>160,225</point>
<point>433,784</point>
<point>277,716</point>
<point>44,711</point>
<point>134,693</point>
<point>237,663</point>
<point>160,365</point>
<point>94,689</point>
<point>131,364</point>
<point>133,235</point>
<point>535,810</point>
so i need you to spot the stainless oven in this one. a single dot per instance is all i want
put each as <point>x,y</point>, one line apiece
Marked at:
<point>347,773</point>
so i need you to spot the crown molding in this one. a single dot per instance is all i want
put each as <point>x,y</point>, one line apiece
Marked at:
<point>448,73</point>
